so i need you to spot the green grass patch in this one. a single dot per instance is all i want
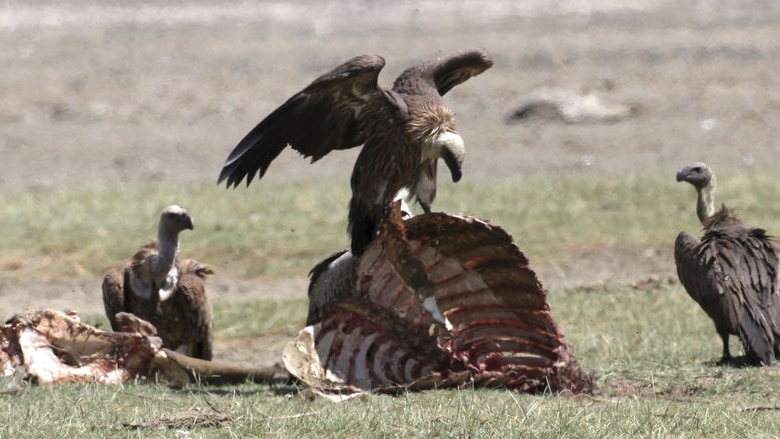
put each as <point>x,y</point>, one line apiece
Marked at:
<point>283,229</point>
<point>651,350</point>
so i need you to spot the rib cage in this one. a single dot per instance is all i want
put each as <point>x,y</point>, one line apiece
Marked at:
<point>440,301</point>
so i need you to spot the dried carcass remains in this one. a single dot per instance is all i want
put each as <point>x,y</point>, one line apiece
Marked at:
<point>435,301</point>
<point>51,347</point>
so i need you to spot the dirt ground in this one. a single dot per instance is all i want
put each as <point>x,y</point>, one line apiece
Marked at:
<point>114,93</point>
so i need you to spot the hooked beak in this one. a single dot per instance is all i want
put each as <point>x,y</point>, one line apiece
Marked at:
<point>452,150</point>
<point>188,223</point>
<point>453,164</point>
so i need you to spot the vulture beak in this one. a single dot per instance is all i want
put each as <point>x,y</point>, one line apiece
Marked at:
<point>187,222</point>
<point>452,151</point>
<point>681,174</point>
<point>454,164</point>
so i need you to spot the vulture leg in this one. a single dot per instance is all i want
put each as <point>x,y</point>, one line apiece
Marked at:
<point>726,359</point>
<point>364,230</point>
<point>426,187</point>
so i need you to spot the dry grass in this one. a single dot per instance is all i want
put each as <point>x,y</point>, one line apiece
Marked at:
<point>650,348</point>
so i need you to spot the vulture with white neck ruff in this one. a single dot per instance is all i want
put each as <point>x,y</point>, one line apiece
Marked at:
<point>403,130</point>
<point>732,273</point>
<point>168,292</point>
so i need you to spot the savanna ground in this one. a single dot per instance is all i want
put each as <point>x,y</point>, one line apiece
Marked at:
<point>109,112</point>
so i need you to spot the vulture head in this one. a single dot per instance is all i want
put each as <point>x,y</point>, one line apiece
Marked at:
<point>703,179</point>
<point>173,220</point>
<point>434,130</point>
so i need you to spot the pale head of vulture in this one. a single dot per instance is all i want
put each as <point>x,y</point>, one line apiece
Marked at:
<point>434,130</point>
<point>173,220</point>
<point>702,178</point>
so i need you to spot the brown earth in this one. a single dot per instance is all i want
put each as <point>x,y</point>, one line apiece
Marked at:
<point>99,93</point>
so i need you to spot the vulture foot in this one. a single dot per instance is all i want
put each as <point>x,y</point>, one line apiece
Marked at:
<point>740,361</point>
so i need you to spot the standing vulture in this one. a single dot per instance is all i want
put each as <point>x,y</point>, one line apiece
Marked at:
<point>732,273</point>
<point>165,291</point>
<point>403,130</point>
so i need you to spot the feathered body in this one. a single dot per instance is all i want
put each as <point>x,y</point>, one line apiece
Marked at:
<point>403,130</point>
<point>168,292</point>
<point>732,273</point>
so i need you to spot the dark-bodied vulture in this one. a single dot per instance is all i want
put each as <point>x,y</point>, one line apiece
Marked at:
<point>167,292</point>
<point>403,130</point>
<point>732,273</point>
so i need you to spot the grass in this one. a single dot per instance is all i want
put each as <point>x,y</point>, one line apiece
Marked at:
<point>651,351</point>
<point>651,348</point>
<point>283,229</point>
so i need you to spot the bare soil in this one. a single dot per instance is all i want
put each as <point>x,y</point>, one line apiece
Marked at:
<point>112,93</point>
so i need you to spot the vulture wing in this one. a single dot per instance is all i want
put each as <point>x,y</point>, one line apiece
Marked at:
<point>186,319</point>
<point>438,301</point>
<point>329,280</point>
<point>446,72</point>
<point>114,296</point>
<point>732,274</point>
<point>322,117</point>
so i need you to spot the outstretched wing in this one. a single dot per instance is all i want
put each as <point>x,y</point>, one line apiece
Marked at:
<point>322,117</point>
<point>446,72</point>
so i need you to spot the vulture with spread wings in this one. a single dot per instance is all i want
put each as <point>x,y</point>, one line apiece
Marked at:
<point>162,289</point>
<point>403,130</point>
<point>732,273</point>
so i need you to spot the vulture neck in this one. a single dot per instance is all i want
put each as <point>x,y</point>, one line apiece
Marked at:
<point>705,205</point>
<point>169,249</point>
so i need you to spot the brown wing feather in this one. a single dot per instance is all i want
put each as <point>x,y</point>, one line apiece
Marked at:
<point>444,73</point>
<point>732,274</point>
<point>322,117</point>
<point>114,296</point>
<point>387,163</point>
<point>330,280</point>
<point>143,304</point>
<point>140,264</point>
<point>186,319</point>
